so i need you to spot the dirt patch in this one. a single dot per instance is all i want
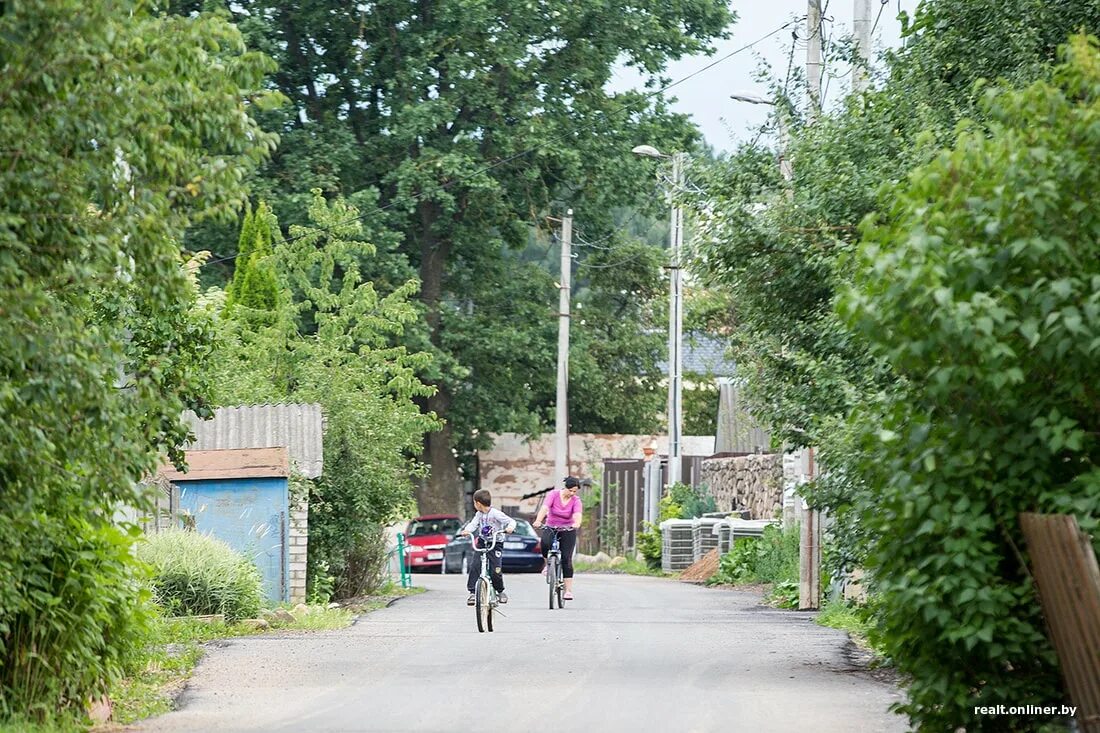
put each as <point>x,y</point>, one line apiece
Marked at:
<point>367,601</point>
<point>702,570</point>
<point>861,660</point>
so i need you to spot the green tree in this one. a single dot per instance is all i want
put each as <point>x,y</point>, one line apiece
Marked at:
<point>117,130</point>
<point>615,382</point>
<point>781,250</point>
<point>980,287</point>
<point>473,119</point>
<point>255,284</point>
<point>348,362</point>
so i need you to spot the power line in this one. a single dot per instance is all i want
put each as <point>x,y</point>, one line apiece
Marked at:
<point>523,153</point>
<point>881,7</point>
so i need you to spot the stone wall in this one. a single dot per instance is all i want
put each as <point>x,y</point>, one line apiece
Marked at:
<point>299,539</point>
<point>753,482</point>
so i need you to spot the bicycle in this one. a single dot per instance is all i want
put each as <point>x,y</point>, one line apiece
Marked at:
<point>554,577</point>
<point>486,599</point>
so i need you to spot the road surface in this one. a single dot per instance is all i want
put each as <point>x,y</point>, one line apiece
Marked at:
<point>629,654</point>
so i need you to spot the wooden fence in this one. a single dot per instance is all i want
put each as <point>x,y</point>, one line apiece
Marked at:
<point>1068,579</point>
<point>622,505</point>
<point>166,508</point>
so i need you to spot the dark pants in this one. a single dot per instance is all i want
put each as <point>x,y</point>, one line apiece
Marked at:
<point>494,569</point>
<point>567,542</point>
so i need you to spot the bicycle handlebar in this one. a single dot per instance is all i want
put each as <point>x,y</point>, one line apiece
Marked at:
<point>496,536</point>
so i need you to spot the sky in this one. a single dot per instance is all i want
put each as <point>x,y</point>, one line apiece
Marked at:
<point>725,122</point>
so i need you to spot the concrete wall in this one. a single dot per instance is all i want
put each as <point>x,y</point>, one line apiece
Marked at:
<point>515,466</point>
<point>753,482</point>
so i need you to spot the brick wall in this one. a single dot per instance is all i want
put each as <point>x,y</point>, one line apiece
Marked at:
<point>299,537</point>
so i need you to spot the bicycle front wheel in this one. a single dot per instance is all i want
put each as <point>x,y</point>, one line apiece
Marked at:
<point>553,577</point>
<point>481,605</point>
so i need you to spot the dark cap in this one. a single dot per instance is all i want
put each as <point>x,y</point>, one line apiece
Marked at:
<point>571,482</point>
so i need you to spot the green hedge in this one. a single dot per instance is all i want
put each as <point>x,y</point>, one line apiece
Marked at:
<point>73,611</point>
<point>195,574</point>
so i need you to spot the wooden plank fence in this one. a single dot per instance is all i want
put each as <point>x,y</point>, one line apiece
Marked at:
<point>1068,578</point>
<point>622,505</point>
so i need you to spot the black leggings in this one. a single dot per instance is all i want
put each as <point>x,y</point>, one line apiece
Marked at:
<point>567,542</point>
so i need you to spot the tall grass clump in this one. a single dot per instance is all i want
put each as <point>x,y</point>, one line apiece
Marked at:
<point>195,574</point>
<point>73,613</point>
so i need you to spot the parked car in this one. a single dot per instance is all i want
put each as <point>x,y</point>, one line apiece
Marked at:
<point>522,552</point>
<point>426,537</point>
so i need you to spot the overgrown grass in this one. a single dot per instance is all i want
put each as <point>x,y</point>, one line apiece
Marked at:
<point>628,566</point>
<point>772,560</point>
<point>198,574</point>
<point>23,725</point>
<point>176,647</point>
<point>856,620</point>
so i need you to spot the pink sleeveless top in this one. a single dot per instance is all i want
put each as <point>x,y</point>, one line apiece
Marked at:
<point>559,514</point>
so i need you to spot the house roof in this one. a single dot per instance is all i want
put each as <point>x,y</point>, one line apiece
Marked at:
<point>297,427</point>
<point>703,355</point>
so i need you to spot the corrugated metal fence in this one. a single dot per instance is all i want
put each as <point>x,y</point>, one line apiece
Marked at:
<point>1068,578</point>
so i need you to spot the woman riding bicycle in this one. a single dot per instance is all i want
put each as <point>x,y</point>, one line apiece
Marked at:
<point>561,513</point>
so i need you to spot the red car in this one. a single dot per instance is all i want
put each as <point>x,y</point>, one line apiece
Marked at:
<point>425,538</point>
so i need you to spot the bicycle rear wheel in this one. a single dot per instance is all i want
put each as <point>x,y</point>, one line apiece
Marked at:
<point>553,572</point>
<point>481,605</point>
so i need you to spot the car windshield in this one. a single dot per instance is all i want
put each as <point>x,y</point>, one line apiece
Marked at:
<point>423,527</point>
<point>524,529</point>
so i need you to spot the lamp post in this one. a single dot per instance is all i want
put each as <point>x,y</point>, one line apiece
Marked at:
<point>784,162</point>
<point>675,313</point>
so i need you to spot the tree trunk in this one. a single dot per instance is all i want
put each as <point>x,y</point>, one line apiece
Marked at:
<point>442,490</point>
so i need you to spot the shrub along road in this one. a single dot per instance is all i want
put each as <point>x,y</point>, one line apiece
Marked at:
<point>631,653</point>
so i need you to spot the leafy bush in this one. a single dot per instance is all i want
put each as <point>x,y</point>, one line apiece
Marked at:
<point>773,558</point>
<point>694,501</point>
<point>669,509</point>
<point>195,575</point>
<point>365,564</point>
<point>980,288</point>
<point>777,559</point>
<point>100,346</point>
<point>739,564</point>
<point>329,338</point>
<point>649,544</point>
<point>784,594</point>
<point>649,539</point>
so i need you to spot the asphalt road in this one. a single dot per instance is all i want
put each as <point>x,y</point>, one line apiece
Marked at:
<point>630,654</point>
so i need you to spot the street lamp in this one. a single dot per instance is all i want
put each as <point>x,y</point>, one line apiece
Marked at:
<point>675,313</point>
<point>784,163</point>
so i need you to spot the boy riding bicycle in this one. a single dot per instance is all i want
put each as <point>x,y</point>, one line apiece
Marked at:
<point>485,522</point>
